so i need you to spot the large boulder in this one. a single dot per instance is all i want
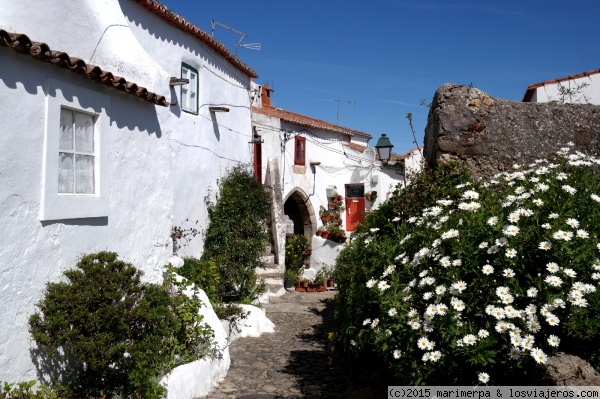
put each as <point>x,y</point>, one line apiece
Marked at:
<point>490,134</point>
<point>568,370</point>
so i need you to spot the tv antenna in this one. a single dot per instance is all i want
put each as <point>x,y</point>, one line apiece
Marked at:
<point>238,44</point>
<point>337,120</point>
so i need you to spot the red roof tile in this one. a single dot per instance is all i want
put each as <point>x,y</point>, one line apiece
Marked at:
<point>356,147</point>
<point>177,20</point>
<point>307,121</point>
<point>42,52</point>
<point>531,88</point>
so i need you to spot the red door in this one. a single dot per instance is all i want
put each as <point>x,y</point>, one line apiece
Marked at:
<point>355,206</point>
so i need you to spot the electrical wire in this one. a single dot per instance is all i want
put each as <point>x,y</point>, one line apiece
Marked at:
<point>207,149</point>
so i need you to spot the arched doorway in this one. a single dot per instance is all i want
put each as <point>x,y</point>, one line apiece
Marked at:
<point>298,208</point>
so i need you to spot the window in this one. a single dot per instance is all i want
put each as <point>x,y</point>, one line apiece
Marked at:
<point>75,164</point>
<point>189,92</point>
<point>76,158</point>
<point>300,151</point>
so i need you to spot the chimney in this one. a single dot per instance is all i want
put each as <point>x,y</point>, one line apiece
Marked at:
<point>265,95</point>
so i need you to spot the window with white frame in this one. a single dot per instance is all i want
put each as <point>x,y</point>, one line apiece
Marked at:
<point>189,92</point>
<point>76,156</point>
<point>76,152</point>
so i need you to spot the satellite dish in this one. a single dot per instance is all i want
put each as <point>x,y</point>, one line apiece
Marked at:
<point>369,153</point>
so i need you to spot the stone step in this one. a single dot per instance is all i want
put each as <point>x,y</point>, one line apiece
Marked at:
<point>267,258</point>
<point>275,274</point>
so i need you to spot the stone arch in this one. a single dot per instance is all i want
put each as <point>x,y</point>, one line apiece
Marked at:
<point>298,208</point>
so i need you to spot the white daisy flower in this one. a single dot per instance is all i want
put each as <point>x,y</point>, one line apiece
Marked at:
<point>553,281</point>
<point>423,343</point>
<point>469,339</point>
<point>392,312</point>
<point>511,253</point>
<point>569,189</point>
<point>492,221</point>
<point>595,197</point>
<point>427,296</point>
<point>397,354</point>
<point>501,327</point>
<point>435,356</point>
<point>553,340</point>
<point>500,291</point>
<point>508,272</point>
<point>552,267</point>
<point>487,269</point>
<point>440,290</point>
<point>539,356</point>
<point>459,286</point>
<point>570,272</point>
<point>538,202</point>
<point>545,245</point>
<point>483,245</point>
<point>511,230</point>
<point>532,292</point>
<point>553,216</point>
<point>470,194</point>
<point>371,283</point>
<point>546,226</point>
<point>483,333</point>
<point>582,234</point>
<point>383,285</point>
<point>552,320</point>
<point>530,309</point>
<point>573,223</point>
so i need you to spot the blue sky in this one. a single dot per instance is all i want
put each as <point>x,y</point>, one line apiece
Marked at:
<point>390,54</point>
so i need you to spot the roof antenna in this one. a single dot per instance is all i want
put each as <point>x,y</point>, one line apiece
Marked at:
<point>238,44</point>
<point>337,120</point>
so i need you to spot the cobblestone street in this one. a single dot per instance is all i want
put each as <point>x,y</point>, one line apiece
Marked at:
<point>291,363</point>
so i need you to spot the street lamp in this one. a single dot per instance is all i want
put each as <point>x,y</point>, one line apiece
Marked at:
<point>384,148</point>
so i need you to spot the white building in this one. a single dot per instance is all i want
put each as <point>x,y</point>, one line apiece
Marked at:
<point>104,148</point>
<point>314,158</point>
<point>582,88</point>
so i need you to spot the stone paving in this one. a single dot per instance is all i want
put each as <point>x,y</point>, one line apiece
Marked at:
<point>292,362</point>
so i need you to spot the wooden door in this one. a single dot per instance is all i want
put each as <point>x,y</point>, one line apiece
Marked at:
<point>355,206</point>
<point>258,162</point>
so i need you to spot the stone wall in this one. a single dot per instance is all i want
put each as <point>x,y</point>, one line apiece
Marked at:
<point>490,134</point>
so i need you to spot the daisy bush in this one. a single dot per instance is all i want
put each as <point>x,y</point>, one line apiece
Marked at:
<point>457,282</point>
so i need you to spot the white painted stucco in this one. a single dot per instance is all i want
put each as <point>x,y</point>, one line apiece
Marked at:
<point>255,324</point>
<point>159,165</point>
<point>35,252</point>
<point>196,379</point>
<point>203,146</point>
<point>584,90</point>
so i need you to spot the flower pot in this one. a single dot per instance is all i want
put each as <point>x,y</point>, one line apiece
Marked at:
<point>326,218</point>
<point>321,288</point>
<point>330,282</point>
<point>331,206</point>
<point>300,289</point>
<point>313,289</point>
<point>368,197</point>
<point>303,284</point>
<point>288,284</point>
<point>343,239</point>
<point>325,234</point>
<point>319,233</point>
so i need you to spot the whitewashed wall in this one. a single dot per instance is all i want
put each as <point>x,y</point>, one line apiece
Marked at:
<point>589,94</point>
<point>34,251</point>
<point>203,146</point>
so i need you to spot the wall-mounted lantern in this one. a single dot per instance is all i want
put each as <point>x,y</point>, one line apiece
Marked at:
<point>384,148</point>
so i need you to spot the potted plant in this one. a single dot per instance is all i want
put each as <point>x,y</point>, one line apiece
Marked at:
<point>371,196</point>
<point>291,278</point>
<point>327,271</point>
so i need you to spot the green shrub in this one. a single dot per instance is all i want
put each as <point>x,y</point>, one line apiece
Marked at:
<point>235,237</point>
<point>122,333</point>
<point>204,273</point>
<point>469,283</point>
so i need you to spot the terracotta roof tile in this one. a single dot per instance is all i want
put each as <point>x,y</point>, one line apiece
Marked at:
<point>307,121</point>
<point>42,52</point>
<point>177,20</point>
<point>356,147</point>
<point>531,88</point>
